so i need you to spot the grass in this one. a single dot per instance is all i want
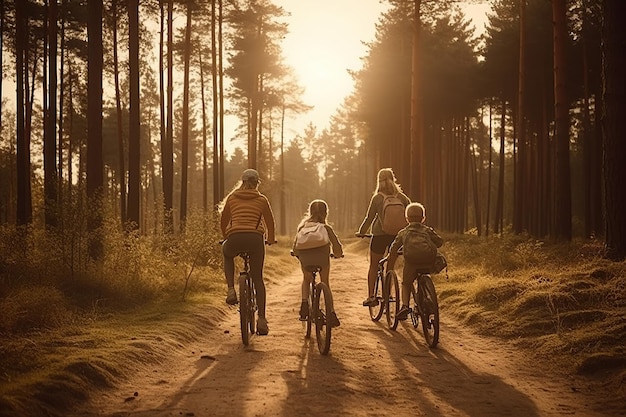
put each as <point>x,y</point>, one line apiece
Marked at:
<point>563,301</point>
<point>63,335</point>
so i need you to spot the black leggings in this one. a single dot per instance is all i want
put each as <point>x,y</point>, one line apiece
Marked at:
<point>254,244</point>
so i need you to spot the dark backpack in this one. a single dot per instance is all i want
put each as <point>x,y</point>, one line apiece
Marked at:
<point>418,248</point>
<point>393,219</point>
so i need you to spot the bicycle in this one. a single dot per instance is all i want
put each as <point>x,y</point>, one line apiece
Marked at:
<point>247,301</point>
<point>320,302</point>
<point>426,306</point>
<point>387,292</point>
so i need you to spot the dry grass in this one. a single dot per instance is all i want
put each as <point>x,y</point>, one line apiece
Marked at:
<point>563,301</point>
<point>45,373</point>
<point>60,338</point>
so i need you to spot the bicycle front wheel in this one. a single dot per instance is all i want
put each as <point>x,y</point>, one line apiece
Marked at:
<point>376,312</point>
<point>392,299</point>
<point>244,308</point>
<point>429,310</point>
<point>322,310</point>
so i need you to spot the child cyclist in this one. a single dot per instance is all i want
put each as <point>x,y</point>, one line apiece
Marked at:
<point>416,215</point>
<point>319,255</point>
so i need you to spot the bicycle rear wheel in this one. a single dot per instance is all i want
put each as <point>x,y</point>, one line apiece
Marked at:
<point>392,299</point>
<point>309,320</point>
<point>414,314</point>
<point>322,310</point>
<point>376,312</point>
<point>252,307</point>
<point>429,310</point>
<point>244,308</point>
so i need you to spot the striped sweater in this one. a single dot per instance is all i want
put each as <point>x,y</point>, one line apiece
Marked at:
<point>248,211</point>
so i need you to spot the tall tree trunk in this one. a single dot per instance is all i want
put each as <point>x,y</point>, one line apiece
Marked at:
<point>520,130</point>
<point>283,204</point>
<point>1,56</point>
<point>50,137</point>
<point>613,128</point>
<point>95,165</point>
<point>166,163</point>
<point>60,197</point>
<point>416,185</point>
<point>562,192</point>
<point>168,154</point>
<point>205,168</point>
<point>70,122</point>
<point>24,198</point>
<point>498,221</point>
<point>216,107</point>
<point>120,125</point>
<point>221,98</point>
<point>185,127</point>
<point>490,168</point>
<point>134,125</point>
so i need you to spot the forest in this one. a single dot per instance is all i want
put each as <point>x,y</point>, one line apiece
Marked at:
<point>114,120</point>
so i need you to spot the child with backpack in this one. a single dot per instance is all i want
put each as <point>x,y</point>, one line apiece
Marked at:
<point>385,216</point>
<point>419,246</point>
<point>312,245</point>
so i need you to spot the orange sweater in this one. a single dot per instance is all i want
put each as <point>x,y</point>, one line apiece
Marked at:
<point>248,211</point>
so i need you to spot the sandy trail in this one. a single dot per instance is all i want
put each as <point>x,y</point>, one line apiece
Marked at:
<point>370,370</point>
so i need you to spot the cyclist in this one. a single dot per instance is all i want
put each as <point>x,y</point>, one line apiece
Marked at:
<point>317,253</point>
<point>247,222</point>
<point>415,215</point>
<point>387,185</point>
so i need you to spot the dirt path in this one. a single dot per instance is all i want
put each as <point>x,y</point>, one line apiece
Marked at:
<point>370,370</point>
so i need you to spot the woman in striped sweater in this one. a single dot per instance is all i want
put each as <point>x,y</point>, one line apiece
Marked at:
<point>247,223</point>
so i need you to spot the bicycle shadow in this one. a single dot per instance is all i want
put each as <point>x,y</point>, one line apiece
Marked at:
<point>442,383</point>
<point>310,391</point>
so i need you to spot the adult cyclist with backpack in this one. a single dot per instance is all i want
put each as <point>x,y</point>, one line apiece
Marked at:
<point>385,216</point>
<point>419,246</point>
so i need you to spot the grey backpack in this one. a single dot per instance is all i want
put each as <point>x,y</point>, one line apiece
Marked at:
<point>418,247</point>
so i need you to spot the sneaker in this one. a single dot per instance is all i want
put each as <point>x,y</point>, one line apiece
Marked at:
<point>370,302</point>
<point>403,313</point>
<point>333,321</point>
<point>304,311</point>
<point>261,326</point>
<point>231,298</point>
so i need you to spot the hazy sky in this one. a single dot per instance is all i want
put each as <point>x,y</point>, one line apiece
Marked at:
<point>325,40</point>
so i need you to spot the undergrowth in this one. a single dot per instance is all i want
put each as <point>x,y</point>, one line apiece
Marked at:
<point>561,299</point>
<point>47,280</point>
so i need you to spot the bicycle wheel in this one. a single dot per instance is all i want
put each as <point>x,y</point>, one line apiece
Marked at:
<point>244,308</point>
<point>392,299</point>
<point>429,310</point>
<point>309,320</point>
<point>414,314</point>
<point>252,307</point>
<point>323,308</point>
<point>376,312</point>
